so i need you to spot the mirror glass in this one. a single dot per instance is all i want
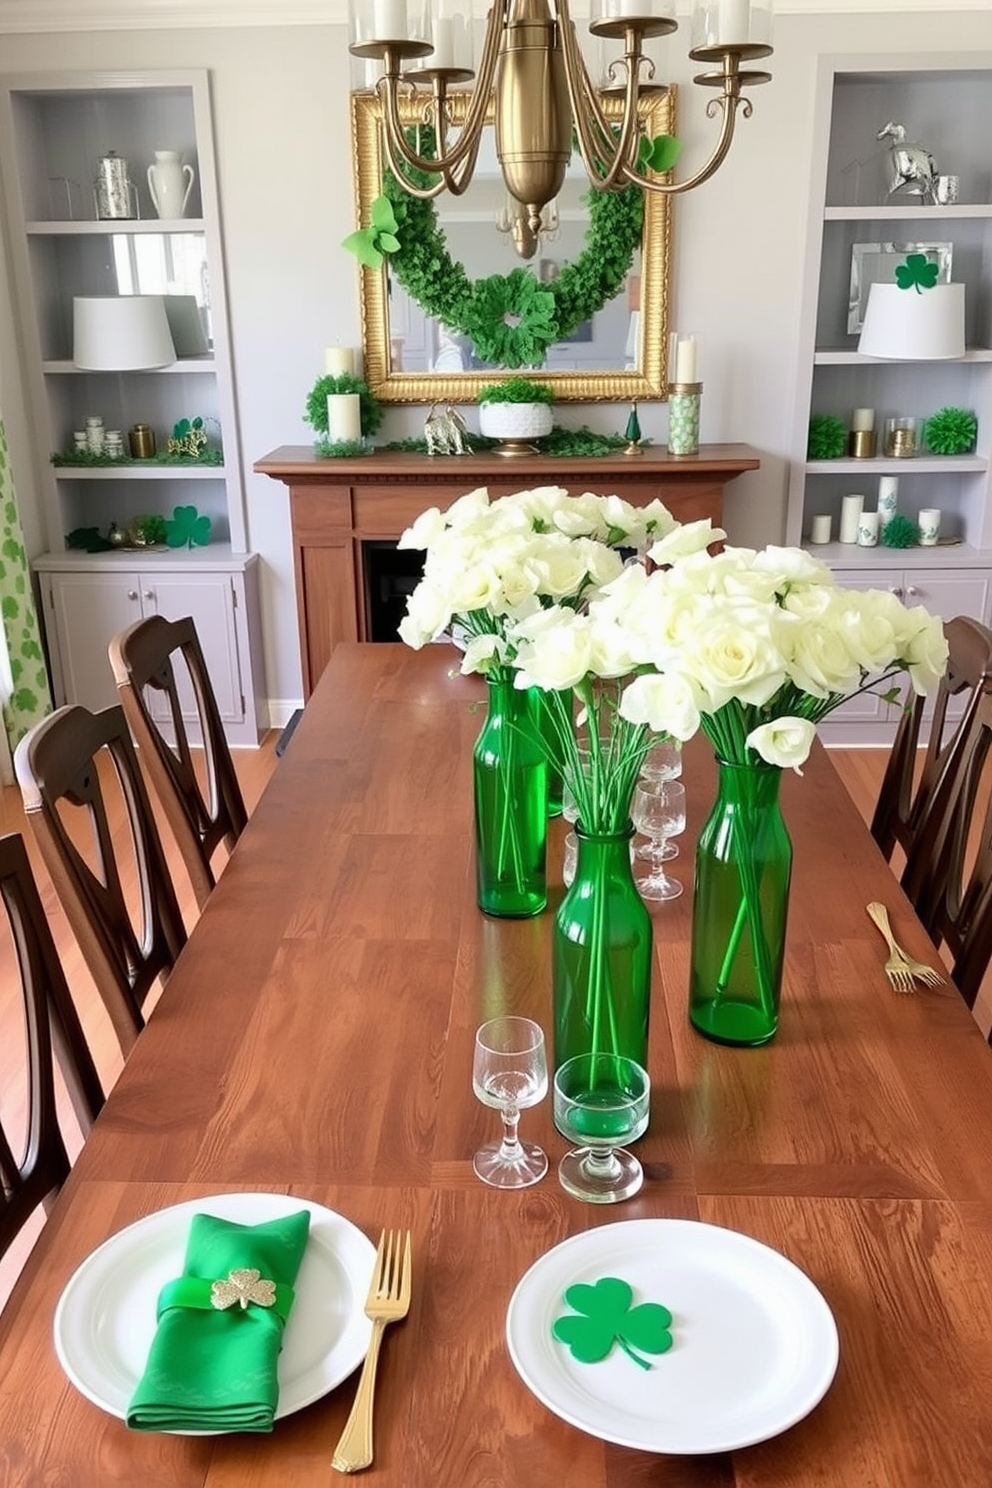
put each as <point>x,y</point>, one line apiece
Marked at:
<point>618,353</point>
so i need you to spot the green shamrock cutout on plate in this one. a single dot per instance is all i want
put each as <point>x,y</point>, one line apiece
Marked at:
<point>369,244</point>
<point>603,1316</point>
<point>187,528</point>
<point>917,273</point>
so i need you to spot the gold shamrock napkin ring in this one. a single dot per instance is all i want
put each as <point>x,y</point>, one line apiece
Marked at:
<point>241,1287</point>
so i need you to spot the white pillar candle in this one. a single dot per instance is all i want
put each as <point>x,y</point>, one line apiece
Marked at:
<point>685,359</point>
<point>339,361</point>
<point>850,512</point>
<point>389,20</point>
<point>344,417</point>
<point>733,25</point>
<point>820,529</point>
<point>863,419</point>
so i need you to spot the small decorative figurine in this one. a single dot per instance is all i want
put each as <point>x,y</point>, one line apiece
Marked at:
<point>911,167</point>
<point>632,433</point>
<point>445,432</point>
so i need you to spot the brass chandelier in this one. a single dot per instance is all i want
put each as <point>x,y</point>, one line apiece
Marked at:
<point>532,80</point>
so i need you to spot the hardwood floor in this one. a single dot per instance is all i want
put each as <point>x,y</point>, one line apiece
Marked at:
<point>859,770</point>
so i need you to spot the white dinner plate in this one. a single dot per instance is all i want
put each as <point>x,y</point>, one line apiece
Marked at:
<point>105,1318</point>
<point>754,1343</point>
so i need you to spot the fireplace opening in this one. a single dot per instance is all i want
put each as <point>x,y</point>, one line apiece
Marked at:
<point>390,575</point>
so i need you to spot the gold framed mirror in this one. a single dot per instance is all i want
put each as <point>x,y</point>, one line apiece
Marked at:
<point>621,353</point>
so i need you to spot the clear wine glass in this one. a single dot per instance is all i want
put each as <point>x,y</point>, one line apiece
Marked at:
<point>510,1073</point>
<point>570,859</point>
<point>663,761</point>
<point>601,1101</point>
<point>658,810</point>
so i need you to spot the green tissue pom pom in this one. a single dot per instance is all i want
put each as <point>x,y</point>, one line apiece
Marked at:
<point>827,437</point>
<point>900,532</point>
<point>951,431</point>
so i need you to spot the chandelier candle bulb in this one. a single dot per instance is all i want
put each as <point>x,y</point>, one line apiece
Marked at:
<point>850,515</point>
<point>734,22</point>
<point>339,361</point>
<point>389,20</point>
<point>344,421</point>
<point>444,43</point>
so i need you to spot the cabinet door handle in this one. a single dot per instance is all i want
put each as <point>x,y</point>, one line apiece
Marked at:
<point>132,594</point>
<point>911,589</point>
<point>148,594</point>
<point>894,589</point>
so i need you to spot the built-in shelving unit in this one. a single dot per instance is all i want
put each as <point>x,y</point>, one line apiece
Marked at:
<point>54,130</point>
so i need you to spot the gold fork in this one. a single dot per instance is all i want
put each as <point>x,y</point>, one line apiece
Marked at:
<point>388,1301</point>
<point>902,971</point>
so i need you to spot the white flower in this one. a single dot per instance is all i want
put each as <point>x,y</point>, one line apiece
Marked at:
<point>666,702</point>
<point>554,649</point>
<point>468,508</point>
<point>425,530</point>
<point>792,566</point>
<point>481,652</point>
<point>427,614</point>
<point>681,541</point>
<point>926,654</point>
<point>733,655</point>
<point>785,742</point>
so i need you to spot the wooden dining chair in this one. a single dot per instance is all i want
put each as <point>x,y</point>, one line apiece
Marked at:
<point>143,658</point>
<point>905,798</point>
<point>58,768</point>
<point>949,867</point>
<point>51,1027</point>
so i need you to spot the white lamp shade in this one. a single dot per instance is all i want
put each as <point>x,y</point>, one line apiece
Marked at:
<point>914,326</point>
<point>121,333</point>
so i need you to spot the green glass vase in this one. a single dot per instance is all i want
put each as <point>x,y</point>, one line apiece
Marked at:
<point>740,908</point>
<point>511,806</point>
<point>601,955</point>
<point>548,734</point>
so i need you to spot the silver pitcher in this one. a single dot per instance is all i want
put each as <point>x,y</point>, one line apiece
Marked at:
<point>113,191</point>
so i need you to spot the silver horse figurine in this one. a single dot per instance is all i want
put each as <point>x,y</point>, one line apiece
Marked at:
<point>445,432</point>
<point>911,167</point>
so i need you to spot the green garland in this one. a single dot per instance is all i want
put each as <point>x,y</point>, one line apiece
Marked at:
<point>341,449</point>
<point>512,318</point>
<point>370,409</point>
<point>568,442</point>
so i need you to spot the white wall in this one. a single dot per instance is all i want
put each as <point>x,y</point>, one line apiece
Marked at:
<point>284,166</point>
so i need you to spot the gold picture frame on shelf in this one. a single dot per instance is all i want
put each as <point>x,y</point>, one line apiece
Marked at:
<point>640,352</point>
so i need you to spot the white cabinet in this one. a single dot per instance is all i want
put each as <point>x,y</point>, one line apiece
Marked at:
<point>54,131</point>
<point>867,719</point>
<point>947,107</point>
<point>86,602</point>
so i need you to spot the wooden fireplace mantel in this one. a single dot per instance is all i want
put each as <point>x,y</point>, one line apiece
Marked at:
<point>337,505</point>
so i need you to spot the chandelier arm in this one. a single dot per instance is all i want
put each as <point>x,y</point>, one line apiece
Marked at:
<point>470,133</point>
<point>729,103</point>
<point>589,118</point>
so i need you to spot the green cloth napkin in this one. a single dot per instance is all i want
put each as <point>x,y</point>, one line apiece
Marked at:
<point>211,1370</point>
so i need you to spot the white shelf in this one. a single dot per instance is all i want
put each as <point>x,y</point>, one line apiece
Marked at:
<point>943,556</point>
<point>906,213</point>
<point>139,472</point>
<point>82,228</point>
<point>921,465</point>
<point>63,368</point>
<point>841,358</point>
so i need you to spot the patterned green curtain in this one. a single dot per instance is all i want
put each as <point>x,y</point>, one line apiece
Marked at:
<point>27,694</point>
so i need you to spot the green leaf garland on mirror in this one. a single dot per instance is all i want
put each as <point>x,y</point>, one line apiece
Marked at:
<point>511,318</point>
<point>369,244</point>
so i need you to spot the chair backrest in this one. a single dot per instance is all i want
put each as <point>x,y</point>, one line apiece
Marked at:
<point>142,658</point>
<point>903,802</point>
<point>949,869</point>
<point>50,1022</point>
<point>57,765</point>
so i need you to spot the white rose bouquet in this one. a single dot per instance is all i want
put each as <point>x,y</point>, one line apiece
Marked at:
<point>756,647</point>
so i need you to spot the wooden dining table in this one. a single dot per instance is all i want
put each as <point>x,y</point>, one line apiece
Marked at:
<point>316,1039</point>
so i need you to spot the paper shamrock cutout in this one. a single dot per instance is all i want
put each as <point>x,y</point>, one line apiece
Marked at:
<point>370,243</point>
<point>187,528</point>
<point>659,153</point>
<point>917,273</point>
<point>603,1316</point>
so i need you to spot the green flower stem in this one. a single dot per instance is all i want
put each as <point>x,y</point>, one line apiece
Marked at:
<point>509,845</point>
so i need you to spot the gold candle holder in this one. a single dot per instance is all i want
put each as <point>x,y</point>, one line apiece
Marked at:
<point>862,444</point>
